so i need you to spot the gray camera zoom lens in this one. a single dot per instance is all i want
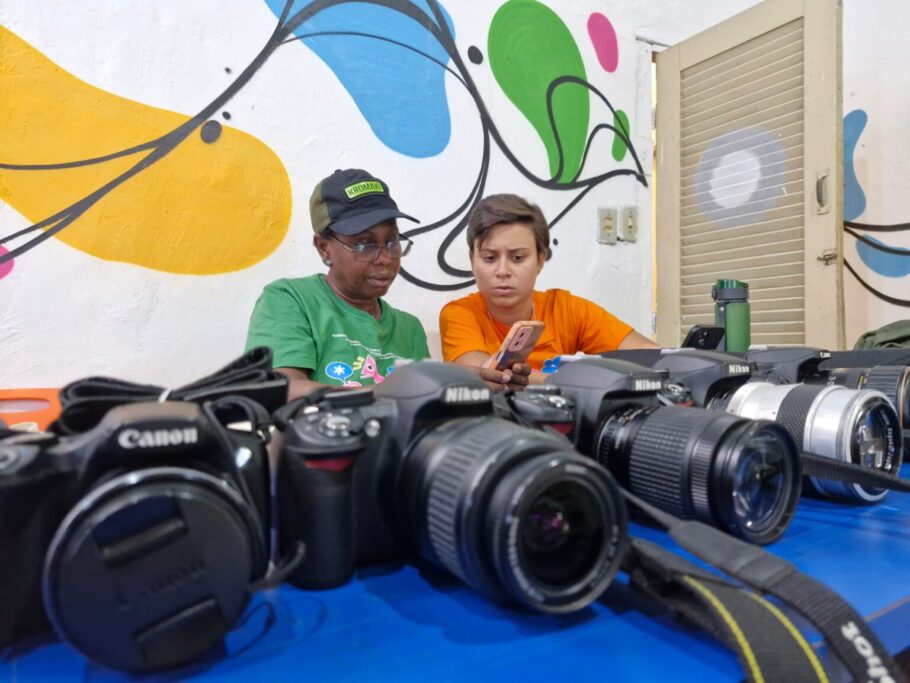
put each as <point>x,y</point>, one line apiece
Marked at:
<point>892,380</point>
<point>850,425</point>
<point>515,512</point>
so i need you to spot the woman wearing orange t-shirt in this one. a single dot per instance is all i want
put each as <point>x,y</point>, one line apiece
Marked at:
<point>508,242</point>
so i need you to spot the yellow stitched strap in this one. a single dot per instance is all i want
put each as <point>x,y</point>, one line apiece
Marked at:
<point>744,646</point>
<point>797,636</point>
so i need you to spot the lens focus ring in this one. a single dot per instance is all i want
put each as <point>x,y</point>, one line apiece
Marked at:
<point>795,407</point>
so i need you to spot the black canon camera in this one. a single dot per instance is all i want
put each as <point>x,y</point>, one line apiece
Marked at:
<point>138,540</point>
<point>421,467</point>
<point>737,474</point>
<point>858,426</point>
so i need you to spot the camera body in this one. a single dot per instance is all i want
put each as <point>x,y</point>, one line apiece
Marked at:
<point>137,540</point>
<point>338,459</point>
<point>420,467</point>
<point>599,388</point>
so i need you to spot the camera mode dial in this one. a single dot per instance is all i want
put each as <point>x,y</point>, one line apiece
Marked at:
<point>333,425</point>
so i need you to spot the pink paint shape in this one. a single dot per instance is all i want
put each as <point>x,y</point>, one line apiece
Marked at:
<point>7,266</point>
<point>603,38</point>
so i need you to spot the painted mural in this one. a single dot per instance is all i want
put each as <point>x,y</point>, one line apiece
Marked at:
<point>879,257</point>
<point>189,194</point>
<point>112,177</point>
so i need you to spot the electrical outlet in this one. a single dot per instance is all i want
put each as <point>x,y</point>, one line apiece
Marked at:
<point>607,221</point>
<point>627,230</point>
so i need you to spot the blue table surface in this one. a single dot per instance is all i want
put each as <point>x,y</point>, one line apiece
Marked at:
<point>398,623</point>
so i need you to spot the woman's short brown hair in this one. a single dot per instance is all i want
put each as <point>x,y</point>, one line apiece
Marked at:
<point>497,209</point>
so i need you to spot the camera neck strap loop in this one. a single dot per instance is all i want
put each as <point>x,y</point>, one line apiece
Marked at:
<point>846,632</point>
<point>769,647</point>
<point>86,401</point>
<point>821,467</point>
<point>233,408</point>
<point>281,571</point>
<point>282,417</point>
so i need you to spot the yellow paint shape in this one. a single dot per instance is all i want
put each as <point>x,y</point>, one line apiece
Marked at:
<point>202,209</point>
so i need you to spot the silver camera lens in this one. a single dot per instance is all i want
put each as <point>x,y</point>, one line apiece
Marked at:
<point>850,425</point>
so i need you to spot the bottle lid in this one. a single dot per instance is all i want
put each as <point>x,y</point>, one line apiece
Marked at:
<point>730,290</point>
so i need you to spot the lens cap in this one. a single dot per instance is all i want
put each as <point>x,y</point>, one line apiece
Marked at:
<point>151,569</point>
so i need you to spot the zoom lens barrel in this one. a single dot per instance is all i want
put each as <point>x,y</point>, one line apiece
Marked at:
<point>740,475</point>
<point>855,426</point>
<point>515,513</point>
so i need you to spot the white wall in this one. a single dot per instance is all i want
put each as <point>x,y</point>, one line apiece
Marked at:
<point>66,313</point>
<point>877,83</point>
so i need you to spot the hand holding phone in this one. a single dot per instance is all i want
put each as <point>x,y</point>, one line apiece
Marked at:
<point>517,345</point>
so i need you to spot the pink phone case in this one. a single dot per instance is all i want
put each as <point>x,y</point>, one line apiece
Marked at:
<point>517,345</point>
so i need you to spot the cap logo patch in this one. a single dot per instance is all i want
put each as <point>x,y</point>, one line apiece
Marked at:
<point>364,187</point>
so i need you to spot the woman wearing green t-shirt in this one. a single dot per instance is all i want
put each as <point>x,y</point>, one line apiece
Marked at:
<point>335,329</point>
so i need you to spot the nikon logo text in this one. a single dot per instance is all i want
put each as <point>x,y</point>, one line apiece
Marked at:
<point>876,671</point>
<point>738,369</point>
<point>647,385</point>
<point>156,438</point>
<point>466,395</point>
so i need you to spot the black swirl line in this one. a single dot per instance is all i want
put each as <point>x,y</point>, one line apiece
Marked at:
<point>899,227</point>
<point>438,28</point>
<point>872,290</point>
<point>898,251</point>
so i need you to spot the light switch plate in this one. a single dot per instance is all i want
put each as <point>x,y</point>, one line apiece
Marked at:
<point>627,230</point>
<point>607,223</point>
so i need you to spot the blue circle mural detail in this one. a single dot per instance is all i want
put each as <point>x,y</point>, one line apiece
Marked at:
<point>751,158</point>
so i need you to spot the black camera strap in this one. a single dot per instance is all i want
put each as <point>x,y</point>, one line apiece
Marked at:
<point>87,400</point>
<point>821,467</point>
<point>768,645</point>
<point>846,632</point>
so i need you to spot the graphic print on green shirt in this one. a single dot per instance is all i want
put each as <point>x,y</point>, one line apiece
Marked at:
<point>307,326</point>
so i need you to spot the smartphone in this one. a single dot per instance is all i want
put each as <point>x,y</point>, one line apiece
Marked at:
<point>517,345</point>
<point>704,337</point>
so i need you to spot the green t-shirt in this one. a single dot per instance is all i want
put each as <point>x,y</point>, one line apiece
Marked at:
<point>307,326</point>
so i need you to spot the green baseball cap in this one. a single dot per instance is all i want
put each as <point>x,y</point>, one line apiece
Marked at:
<point>350,201</point>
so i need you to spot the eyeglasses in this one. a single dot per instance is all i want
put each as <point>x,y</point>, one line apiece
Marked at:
<point>398,247</point>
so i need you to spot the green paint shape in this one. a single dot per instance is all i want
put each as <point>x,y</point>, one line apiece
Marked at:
<point>530,46</point>
<point>620,122</point>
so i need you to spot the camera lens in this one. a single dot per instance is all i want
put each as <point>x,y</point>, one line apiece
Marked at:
<point>892,380</point>
<point>856,426</point>
<point>736,474</point>
<point>562,534</point>
<point>514,512</point>
<point>761,480</point>
<point>147,558</point>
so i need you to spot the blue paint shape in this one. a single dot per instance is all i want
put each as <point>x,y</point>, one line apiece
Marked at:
<point>882,262</point>
<point>400,93</point>
<point>854,197</point>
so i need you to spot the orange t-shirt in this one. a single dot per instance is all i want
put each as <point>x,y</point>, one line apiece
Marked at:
<point>572,324</point>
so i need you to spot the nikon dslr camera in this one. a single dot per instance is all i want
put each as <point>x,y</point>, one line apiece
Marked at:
<point>420,467</point>
<point>138,540</point>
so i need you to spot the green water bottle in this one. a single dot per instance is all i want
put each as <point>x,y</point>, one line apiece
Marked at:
<point>731,311</point>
